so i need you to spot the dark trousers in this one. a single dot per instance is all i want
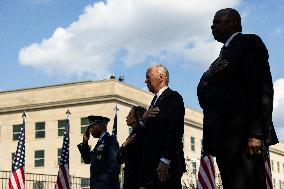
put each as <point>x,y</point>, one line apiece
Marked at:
<point>240,171</point>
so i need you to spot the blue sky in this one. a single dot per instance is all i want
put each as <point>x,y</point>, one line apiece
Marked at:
<point>46,42</point>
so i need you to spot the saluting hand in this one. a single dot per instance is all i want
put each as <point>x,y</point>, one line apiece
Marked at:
<point>86,136</point>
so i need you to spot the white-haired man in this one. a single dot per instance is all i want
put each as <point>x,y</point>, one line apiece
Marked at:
<point>163,158</point>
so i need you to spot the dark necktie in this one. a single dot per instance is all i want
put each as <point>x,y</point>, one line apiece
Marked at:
<point>223,51</point>
<point>153,101</point>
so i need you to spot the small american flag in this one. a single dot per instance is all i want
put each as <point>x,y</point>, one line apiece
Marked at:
<point>268,173</point>
<point>114,129</point>
<point>63,178</point>
<point>17,175</point>
<point>206,173</point>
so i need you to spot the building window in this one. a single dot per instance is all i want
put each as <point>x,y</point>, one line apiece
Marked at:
<point>16,131</point>
<point>192,144</point>
<point>278,167</point>
<point>12,157</point>
<point>58,155</point>
<point>85,183</point>
<point>40,130</point>
<point>39,158</point>
<point>61,126</point>
<point>273,183</point>
<point>84,124</point>
<point>272,165</point>
<point>280,184</point>
<point>193,166</point>
<point>38,185</point>
<point>283,167</point>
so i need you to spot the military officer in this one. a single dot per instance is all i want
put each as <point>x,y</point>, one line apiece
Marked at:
<point>104,168</point>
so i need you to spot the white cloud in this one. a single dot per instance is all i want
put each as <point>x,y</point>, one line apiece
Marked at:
<point>278,112</point>
<point>163,29</point>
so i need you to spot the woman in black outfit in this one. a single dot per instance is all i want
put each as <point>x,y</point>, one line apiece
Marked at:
<point>130,151</point>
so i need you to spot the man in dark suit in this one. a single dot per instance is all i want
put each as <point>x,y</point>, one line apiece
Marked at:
<point>163,158</point>
<point>104,167</point>
<point>236,95</point>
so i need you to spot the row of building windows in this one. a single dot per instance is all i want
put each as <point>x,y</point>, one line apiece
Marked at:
<point>40,128</point>
<point>280,184</point>
<point>39,157</point>
<point>278,166</point>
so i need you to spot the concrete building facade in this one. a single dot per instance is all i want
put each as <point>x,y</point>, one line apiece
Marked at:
<point>46,108</point>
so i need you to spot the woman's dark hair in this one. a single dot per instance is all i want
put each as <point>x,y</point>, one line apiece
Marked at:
<point>138,112</point>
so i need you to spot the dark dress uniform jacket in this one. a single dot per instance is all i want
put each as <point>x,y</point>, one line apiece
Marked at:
<point>131,157</point>
<point>237,101</point>
<point>104,167</point>
<point>163,139</point>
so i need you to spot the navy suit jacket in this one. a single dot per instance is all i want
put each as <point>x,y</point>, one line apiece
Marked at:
<point>104,167</point>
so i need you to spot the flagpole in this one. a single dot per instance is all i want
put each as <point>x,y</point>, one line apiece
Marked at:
<point>68,113</point>
<point>24,115</point>
<point>114,128</point>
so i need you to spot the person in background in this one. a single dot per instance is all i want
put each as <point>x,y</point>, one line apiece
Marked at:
<point>130,151</point>
<point>104,167</point>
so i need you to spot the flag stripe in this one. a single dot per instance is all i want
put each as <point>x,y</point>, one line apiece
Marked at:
<point>16,179</point>
<point>206,169</point>
<point>206,173</point>
<point>20,177</point>
<point>268,173</point>
<point>61,177</point>
<point>212,165</point>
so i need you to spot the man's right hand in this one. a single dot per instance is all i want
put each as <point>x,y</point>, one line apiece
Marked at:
<point>151,112</point>
<point>86,136</point>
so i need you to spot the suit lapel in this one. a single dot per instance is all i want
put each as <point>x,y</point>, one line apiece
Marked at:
<point>231,44</point>
<point>162,97</point>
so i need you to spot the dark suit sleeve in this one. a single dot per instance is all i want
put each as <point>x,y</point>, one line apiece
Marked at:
<point>112,169</point>
<point>259,87</point>
<point>121,155</point>
<point>174,126</point>
<point>85,152</point>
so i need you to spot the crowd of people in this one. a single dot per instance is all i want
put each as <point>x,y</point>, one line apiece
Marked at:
<point>236,95</point>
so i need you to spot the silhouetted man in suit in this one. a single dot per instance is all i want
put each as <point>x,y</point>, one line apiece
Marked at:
<point>104,167</point>
<point>163,158</point>
<point>236,95</point>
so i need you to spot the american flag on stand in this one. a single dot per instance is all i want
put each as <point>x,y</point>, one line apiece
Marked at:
<point>114,129</point>
<point>17,175</point>
<point>63,179</point>
<point>206,173</point>
<point>268,173</point>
